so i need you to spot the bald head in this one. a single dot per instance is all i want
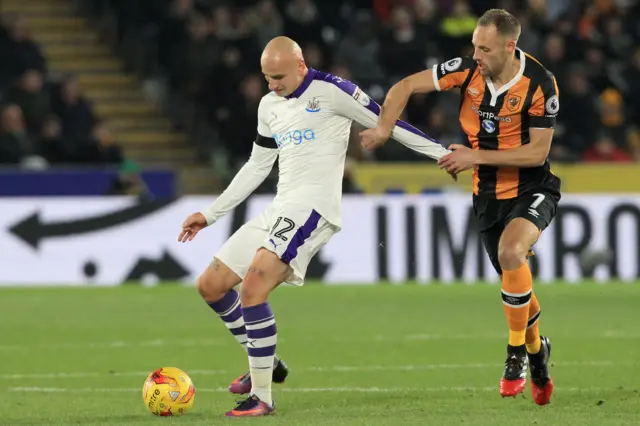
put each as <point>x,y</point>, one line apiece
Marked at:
<point>282,48</point>
<point>283,65</point>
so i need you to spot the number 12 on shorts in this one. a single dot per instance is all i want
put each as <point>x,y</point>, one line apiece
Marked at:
<point>287,226</point>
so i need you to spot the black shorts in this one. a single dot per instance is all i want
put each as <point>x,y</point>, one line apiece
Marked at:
<point>493,216</point>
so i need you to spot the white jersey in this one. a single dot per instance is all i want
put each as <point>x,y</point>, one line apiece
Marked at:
<point>309,132</point>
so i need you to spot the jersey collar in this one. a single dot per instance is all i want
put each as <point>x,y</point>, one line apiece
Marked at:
<point>311,73</point>
<point>496,93</point>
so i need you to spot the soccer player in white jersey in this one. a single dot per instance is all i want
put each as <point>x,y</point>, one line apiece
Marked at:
<point>305,121</point>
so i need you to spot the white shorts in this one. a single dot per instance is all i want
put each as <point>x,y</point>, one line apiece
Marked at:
<point>294,233</point>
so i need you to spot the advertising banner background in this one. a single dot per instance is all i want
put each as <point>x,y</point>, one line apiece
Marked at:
<point>107,241</point>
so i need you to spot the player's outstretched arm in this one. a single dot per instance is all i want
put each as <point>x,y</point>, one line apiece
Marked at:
<point>394,103</point>
<point>532,154</point>
<point>351,102</point>
<point>248,178</point>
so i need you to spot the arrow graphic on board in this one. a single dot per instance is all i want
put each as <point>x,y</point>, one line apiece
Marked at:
<point>165,268</point>
<point>33,230</point>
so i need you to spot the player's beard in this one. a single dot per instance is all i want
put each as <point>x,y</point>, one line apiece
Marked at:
<point>494,70</point>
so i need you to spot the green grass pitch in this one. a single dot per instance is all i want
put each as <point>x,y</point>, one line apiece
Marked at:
<point>359,355</point>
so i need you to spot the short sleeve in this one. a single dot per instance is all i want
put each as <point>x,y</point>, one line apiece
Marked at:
<point>263,119</point>
<point>545,104</point>
<point>453,73</point>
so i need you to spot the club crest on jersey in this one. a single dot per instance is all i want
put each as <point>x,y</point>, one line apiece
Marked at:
<point>513,102</point>
<point>313,105</point>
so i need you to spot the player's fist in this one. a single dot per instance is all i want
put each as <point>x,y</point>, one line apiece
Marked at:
<point>373,138</point>
<point>191,226</point>
<point>460,159</point>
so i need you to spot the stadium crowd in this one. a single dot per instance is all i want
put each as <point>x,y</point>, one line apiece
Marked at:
<point>45,119</point>
<point>207,52</point>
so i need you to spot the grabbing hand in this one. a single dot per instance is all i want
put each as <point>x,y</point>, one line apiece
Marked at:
<point>461,159</point>
<point>373,138</point>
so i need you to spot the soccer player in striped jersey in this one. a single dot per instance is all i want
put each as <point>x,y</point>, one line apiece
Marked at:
<point>508,111</point>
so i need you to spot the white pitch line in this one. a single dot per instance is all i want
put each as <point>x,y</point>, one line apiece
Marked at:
<point>36,389</point>
<point>328,369</point>
<point>227,341</point>
<point>118,344</point>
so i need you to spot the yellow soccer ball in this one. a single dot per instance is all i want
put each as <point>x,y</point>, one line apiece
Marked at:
<point>168,391</point>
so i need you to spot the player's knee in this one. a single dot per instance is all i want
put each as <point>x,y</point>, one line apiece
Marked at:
<point>216,281</point>
<point>254,291</point>
<point>512,254</point>
<point>264,275</point>
<point>205,287</point>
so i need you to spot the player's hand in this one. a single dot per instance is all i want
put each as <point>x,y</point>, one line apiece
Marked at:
<point>190,228</point>
<point>461,159</point>
<point>373,138</point>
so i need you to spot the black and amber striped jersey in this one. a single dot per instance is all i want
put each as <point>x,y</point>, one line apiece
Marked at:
<point>497,119</point>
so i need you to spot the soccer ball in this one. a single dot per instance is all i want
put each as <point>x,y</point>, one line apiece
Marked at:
<point>168,391</point>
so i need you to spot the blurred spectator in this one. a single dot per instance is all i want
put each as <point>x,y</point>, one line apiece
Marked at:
<point>195,57</point>
<point>458,27</point>
<point>442,129</point>
<point>173,32</point>
<point>612,115</point>
<point>223,83</point>
<point>266,21</point>
<point>238,125</point>
<point>402,52</point>
<point>596,66</point>
<point>553,55</point>
<point>359,51</point>
<point>52,145</point>
<point>578,103</point>
<point>618,44</point>
<point>303,23</point>
<point>605,150</point>
<point>15,145</point>
<point>529,40</point>
<point>74,110</point>
<point>209,51</point>
<point>314,57</point>
<point>34,101</point>
<point>20,51</point>
<point>100,148</point>
<point>631,86</point>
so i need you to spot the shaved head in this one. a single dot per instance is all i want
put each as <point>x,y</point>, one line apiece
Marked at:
<point>282,49</point>
<point>283,65</point>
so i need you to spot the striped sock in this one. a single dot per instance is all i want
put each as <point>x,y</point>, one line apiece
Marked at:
<point>231,313</point>
<point>262,337</point>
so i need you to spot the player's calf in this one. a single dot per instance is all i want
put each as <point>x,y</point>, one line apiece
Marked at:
<point>266,272</point>
<point>517,288</point>
<point>215,285</point>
